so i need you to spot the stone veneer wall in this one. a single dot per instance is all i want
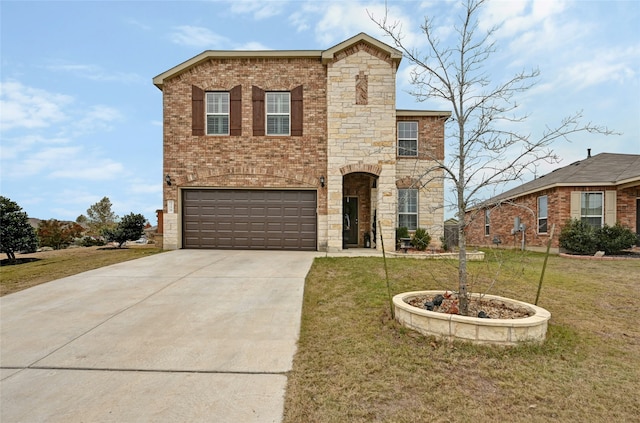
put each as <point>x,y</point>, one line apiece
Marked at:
<point>244,161</point>
<point>361,134</point>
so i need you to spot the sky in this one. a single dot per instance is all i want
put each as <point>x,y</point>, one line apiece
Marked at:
<point>80,118</point>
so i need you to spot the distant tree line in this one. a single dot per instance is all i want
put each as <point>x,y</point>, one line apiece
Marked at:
<point>99,226</point>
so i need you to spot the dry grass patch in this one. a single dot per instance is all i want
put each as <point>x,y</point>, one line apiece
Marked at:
<point>355,364</point>
<point>50,265</point>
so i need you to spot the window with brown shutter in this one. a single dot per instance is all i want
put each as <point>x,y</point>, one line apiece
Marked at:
<point>197,110</point>
<point>257,97</point>
<point>296,111</point>
<point>235,112</point>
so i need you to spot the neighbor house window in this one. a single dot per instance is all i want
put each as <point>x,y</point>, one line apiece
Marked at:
<point>217,113</point>
<point>542,214</point>
<point>278,113</point>
<point>591,209</point>
<point>407,139</point>
<point>408,208</point>
<point>487,222</point>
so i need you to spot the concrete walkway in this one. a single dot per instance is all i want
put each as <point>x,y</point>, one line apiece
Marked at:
<point>183,336</point>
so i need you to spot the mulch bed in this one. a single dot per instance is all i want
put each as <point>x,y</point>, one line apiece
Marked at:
<point>493,308</point>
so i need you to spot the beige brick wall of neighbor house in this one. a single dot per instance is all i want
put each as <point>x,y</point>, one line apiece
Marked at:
<point>244,161</point>
<point>361,134</point>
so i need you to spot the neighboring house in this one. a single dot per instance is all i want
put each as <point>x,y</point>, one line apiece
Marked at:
<point>296,150</point>
<point>603,189</point>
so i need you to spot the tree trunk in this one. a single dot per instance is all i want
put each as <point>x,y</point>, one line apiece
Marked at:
<point>462,269</point>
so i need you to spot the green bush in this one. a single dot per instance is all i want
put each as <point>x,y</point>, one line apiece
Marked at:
<point>614,239</point>
<point>421,239</point>
<point>581,238</point>
<point>443,241</point>
<point>89,241</point>
<point>401,232</point>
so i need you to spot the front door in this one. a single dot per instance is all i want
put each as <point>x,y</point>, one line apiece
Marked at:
<point>350,220</point>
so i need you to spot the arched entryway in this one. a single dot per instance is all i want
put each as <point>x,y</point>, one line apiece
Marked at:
<point>359,208</point>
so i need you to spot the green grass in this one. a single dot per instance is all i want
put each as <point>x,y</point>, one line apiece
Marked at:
<point>51,265</point>
<point>355,364</point>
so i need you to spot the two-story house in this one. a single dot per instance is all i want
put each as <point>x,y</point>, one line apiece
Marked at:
<point>300,150</point>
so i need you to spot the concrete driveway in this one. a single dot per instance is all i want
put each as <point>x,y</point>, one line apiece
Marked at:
<point>183,336</point>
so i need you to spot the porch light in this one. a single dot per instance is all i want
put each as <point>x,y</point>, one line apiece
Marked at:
<point>168,179</point>
<point>322,181</point>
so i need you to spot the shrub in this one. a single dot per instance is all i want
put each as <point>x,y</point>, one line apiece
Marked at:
<point>578,237</point>
<point>89,241</point>
<point>614,239</point>
<point>421,239</point>
<point>581,238</point>
<point>443,241</point>
<point>130,228</point>
<point>401,232</point>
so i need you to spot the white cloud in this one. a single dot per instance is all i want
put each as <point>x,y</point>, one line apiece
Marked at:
<point>197,36</point>
<point>260,9</point>
<point>95,73</point>
<point>252,45</point>
<point>27,107</point>
<point>87,168</point>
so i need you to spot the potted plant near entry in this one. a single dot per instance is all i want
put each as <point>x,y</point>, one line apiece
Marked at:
<point>367,240</point>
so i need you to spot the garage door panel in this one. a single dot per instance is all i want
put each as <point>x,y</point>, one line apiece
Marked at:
<point>249,219</point>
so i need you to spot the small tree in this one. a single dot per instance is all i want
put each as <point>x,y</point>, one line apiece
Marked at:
<point>16,234</point>
<point>99,217</point>
<point>56,234</point>
<point>486,149</point>
<point>130,228</point>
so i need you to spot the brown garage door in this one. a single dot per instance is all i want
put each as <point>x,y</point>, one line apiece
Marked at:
<point>249,219</point>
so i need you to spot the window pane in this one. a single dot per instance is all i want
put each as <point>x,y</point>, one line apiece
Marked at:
<point>542,226</point>
<point>277,102</point>
<point>542,206</point>
<point>217,125</point>
<point>591,204</point>
<point>407,148</point>
<point>596,222</point>
<point>407,129</point>
<point>217,103</point>
<point>278,125</point>
<point>410,221</point>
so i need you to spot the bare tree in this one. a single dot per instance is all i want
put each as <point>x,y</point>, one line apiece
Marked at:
<point>486,149</point>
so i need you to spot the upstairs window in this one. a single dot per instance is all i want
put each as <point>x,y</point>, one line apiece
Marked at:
<point>591,209</point>
<point>408,209</point>
<point>278,113</point>
<point>217,113</point>
<point>542,214</point>
<point>408,139</point>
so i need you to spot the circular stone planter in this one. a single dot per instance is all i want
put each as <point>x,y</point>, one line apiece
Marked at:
<point>473,329</point>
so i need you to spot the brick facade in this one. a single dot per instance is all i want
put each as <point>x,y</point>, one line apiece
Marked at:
<point>348,135</point>
<point>559,211</point>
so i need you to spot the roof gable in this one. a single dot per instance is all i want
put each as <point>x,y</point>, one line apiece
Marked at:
<point>333,53</point>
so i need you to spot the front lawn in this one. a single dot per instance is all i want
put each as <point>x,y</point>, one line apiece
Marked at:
<point>37,268</point>
<point>355,364</point>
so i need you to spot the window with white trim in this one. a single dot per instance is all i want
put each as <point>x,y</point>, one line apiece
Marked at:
<point>542,214</point>
<point>278,113</point>
<point>408,139</point>
<point>408,209</point>
<point>217,113</point>
<point>487,222</point>
<point>591,208</point>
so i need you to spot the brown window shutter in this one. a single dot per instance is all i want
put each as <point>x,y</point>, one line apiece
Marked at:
<point>197,110</point>
<point>257,96</point>
<point>235,111</point>
<point>296,112</point>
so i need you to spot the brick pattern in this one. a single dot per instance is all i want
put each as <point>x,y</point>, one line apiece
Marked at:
<point>348,136</point>
<point>559,211</point>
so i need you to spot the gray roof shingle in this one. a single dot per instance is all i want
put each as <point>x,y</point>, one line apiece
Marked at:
<point>601,169</point>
